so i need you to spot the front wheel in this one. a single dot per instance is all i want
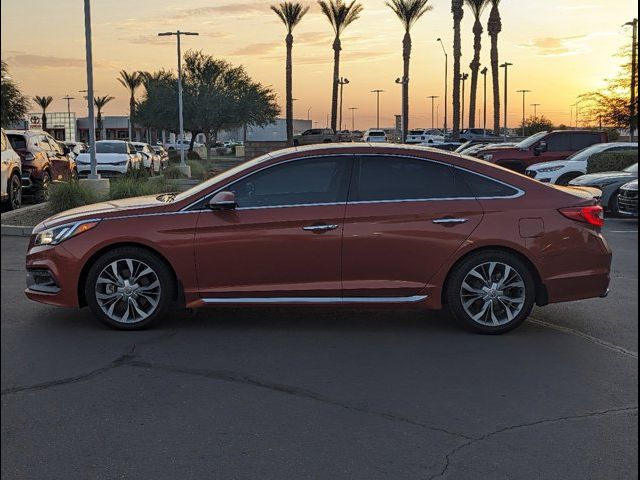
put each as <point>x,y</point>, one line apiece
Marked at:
<point>491,292</point>
<point>15,192</point>
<point>129,288</point>
<point>564,180</point>
<point>43,189</point>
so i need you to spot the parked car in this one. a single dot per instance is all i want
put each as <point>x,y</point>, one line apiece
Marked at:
<point>543,147</point>
<point>150,159</point>
<point>477,134</point>
<point>316,135</point>
<point>422,136</point>
<point>184,145</point>
<point>113,158</point>
<point>485,143</point>
<point>164,156</point>
<point>407,228</point>
<point>628,199</point>
<point>11,192</point>
<point>374,135</point>
<point>76,148</point>
<point>447,146</point>
<point>561,172</point>
<point>44,160</point>
<point>609,183</point>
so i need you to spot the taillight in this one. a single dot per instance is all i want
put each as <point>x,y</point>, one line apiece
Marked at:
<point>593,215</point>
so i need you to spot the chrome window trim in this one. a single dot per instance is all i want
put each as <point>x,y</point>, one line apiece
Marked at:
<point>276,300</point>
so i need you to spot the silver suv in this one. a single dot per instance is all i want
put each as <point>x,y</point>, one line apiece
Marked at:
<point>315,135</point>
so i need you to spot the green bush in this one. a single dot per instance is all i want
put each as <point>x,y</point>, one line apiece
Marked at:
<point>126,187</point>
<point>174,156</point>
<point>611,161</point>
<point>67,195</point>
<point>173,172</point>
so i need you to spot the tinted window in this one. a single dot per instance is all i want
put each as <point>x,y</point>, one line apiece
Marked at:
<point>111,147</point>
<point>559,143</point>
<point>621,149</point>
<point>584,140</point>
<point>393,178</point>
<point>483,187</point>
<point>18,142</point>
<point>314,180</point>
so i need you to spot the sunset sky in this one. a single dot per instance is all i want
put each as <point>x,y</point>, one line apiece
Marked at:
<point>559,48</point>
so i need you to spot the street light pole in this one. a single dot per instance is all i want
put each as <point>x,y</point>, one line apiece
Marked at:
<point>446,83</point>
<point>634,66</point>
<point>377,92</point>
<point>342,82</point>
<point>535,109</point>
<point>506,66</point>
<point>89,58</point>
<point>353,117</point>
<point>309,113</point>
<point>433,98</point>
<point>178,34</point>
<point>524,93</point>
<point>484,124</point>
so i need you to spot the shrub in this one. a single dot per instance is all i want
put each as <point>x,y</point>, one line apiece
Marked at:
<point>126,187</point>
<point>220,151</point>
<point>611,161</point>
<point>173,172</point>
<point>67,195</point>
<point>174,156</point>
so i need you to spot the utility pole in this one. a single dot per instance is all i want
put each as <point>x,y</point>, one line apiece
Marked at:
<point>92,120</point>
<point>446,84</point>
<point>535,109</point>
<point>506,66</point>
<point>433,97</point>
<point>183,166</point>
<point>353,117</point>
<point>377,92</point>
<point>309,113</point>
<point>463,77</point>
<point>524,93</point>
<point>68,99</point>
<point>342,82</point>
<point>484,120</point>
<point>634,65</point>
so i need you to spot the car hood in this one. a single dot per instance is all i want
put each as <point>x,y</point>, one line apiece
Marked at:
<point>109,208</point>
<point>538,166</point>
<point>106,158</point>
<point>597,178</point>
<point>631,185</point>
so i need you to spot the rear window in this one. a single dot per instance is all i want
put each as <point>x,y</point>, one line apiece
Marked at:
<point>18,142</point>
<point>483,187</point>
<point>416,132</point>
<point>111,147</point>
<point>582,140</point>
<point>376,134</point>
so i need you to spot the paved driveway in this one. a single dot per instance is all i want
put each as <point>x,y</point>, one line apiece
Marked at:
<point>326,394</point>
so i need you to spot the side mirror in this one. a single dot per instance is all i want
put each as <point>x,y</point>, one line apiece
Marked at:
<point>223,201</point>
<point>540,148</point>
<point>66,150</point>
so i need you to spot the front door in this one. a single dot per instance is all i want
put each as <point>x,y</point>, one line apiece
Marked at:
<point>283,241</point>
<point>405,217</point>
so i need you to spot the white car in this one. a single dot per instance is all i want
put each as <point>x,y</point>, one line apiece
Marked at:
<point>184,145</point>
<point>113,157</point>
<point>11,175</point>
<point>374,136</point>
<point>151,161</point>
<point>561,172</point>
<point>422,136</point>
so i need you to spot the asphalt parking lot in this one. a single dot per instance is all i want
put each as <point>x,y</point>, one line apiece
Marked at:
<point>326,394</point>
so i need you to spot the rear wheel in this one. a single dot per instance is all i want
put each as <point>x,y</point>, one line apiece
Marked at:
<point>14,189</point>
<point>564,180</point>
<point>43,188</point>
<point>491,292</point>
<point>129,288</point>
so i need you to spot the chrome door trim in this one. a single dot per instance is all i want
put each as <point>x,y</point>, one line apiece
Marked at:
<point>450,220</point>
<point>320,228</point>
<point>337,300</point>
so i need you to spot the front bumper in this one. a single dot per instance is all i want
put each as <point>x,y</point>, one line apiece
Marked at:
<point>107,171</point>
<point>628,203</point>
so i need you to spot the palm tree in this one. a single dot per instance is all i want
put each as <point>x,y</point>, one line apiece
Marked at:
<point>131,81</point>
<point>494,27</point>
<point>458,12</point>
<point>477,7</point>
<point>409,12</point>
<point>340,15</point>
<point>100,102</point>
<point>290,13</point>
<point>44,103</point>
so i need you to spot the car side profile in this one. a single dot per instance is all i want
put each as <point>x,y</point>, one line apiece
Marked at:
<point>361,225</point>
<point>151,160</point>
<point>316,135</point>
<point>11,175</point>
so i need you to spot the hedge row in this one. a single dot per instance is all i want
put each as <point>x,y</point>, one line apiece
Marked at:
<point>611,161</point>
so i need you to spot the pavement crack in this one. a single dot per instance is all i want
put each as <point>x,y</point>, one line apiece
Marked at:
<point>455,450</point>
<point>235,377</point>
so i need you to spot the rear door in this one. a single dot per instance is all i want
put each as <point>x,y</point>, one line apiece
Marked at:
<point>559,147</point>
<point>59,161</point>
<point>581,140</point>
<point>405,217</point>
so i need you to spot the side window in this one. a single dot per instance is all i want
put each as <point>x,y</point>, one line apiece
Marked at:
<point>483,187</point>
<point>559,143</point>
<point>584,140</point>
<point>397,178</point>
<point>301,182</point>
<point>621,149</point>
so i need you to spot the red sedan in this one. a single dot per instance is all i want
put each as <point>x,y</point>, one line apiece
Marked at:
<point>331,225</point>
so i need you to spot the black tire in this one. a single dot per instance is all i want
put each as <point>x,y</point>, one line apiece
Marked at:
<point>614,207</point>
<point>454,287</point>
<point>43,188</point>
<point>161,271</point>
<point>14,190</point>
<point>564,180</point>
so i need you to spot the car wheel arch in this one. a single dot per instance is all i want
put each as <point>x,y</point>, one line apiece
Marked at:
<point>178,295</point>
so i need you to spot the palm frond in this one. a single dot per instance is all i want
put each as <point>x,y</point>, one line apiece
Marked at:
<point>290,13</point>
<point>409,11</point>
<point>340,14</point>
<point>100,102</point>
<point>477,6</point>
<point>43,102</point>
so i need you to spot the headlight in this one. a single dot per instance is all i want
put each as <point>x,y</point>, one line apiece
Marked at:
<point>551,169</point>
<point>56,235</point>
<point>488,157</point>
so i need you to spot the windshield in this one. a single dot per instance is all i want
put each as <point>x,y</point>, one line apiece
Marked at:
<point>373,133</point>
<point>587,152</point>
<point>416,132</point>
<point>18,142</point>
<point>111,147</point>
<point>139,148</point>
<point>632,169</point>
<point>527,142</point>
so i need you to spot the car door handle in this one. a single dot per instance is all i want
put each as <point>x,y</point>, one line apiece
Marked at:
<point>450,220</point>
<point>320,228</point>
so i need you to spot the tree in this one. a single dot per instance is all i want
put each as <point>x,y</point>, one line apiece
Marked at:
<point>14,104</point>
<point>477,7</point>
<point>44,103</point>
<point>131,81</point>
<point>536,124</point>
<point>409,12</point>
<point>291,14</point>
<point>340,15</point>
<point>458,13</point>
<point>494,28</point>
<point>100,103</point>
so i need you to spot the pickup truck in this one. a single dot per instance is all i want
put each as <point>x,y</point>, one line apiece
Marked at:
<point>113,158</point>
<point>316,135</point>
<point>542,147</point>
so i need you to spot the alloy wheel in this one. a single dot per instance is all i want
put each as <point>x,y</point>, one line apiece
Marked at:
<point>15,192</point>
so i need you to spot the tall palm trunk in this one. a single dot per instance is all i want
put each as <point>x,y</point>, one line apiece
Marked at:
<point>337,47</point>
<point>458,13</point>
<point>406,57</point>
<point>289,87</point>
<point>99,122</point>
<point>494,27</point>
<point>44,119</point>
<point>132,111</point>
<point>475,68</point>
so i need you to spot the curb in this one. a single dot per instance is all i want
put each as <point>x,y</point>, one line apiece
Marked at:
<point>16,230</point>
